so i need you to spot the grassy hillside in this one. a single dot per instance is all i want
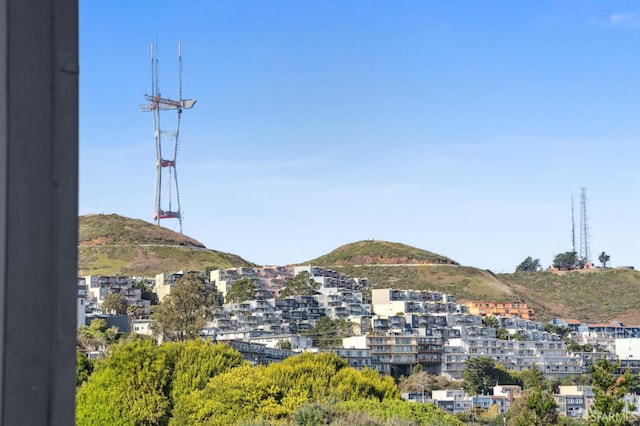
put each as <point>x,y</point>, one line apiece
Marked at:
<point>388,264</point>
<point>116,245</point>
<point>598,295</point>
<point>370,252</point>
<point>466,283</point>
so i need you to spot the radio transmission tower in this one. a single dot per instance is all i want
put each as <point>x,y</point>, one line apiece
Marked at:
<point>585,249</point>
<point>167,204</point>
<point>573,228</point>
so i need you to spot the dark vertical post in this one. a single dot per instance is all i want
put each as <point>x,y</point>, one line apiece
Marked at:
<point>38,210</point>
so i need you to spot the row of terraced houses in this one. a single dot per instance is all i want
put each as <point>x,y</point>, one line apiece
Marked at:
<point>392,330</point>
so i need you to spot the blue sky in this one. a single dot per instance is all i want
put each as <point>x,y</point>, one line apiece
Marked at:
<point>462,128</point>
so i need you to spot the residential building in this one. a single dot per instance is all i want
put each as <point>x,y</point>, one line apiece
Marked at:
<point>574,401</point>
<point>506,309</point>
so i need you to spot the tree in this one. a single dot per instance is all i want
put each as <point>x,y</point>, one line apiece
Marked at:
<point>284,344</point>
<point>241,290</point>
<point>300,285</point>
<point>604,259</point>
<point>529,265</point>
<point>140,383</point>
<point>115,303</point>
<point>482,374</point>
<point>490,321</point>
<point>534,407</point>
<point>329,333</point>
<point>185,311</point>
<point>566,261</point>
<point>273,392</point>
<point>608,393</point>
<point>130,387</point>
<point>84,368</point>
<point>96,335</point>
<point>531,378</point>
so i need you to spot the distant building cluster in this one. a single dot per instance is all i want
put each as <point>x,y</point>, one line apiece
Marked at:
<point>392,331</point>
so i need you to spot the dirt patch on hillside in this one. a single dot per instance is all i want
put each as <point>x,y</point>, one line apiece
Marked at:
<point>381,260</point>
<point>98,241</point>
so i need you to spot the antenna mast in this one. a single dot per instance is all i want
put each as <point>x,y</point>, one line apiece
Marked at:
<point>585,249</point>
<point>573,228</point>
<point>168,139</point>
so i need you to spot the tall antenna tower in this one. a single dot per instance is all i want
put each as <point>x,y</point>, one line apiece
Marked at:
<point>167,205</point>
<point>585,249</point>
<point>573,228</point>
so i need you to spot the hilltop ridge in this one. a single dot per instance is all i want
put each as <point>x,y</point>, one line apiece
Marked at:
<point>116,245</point>
<point>373,252</point>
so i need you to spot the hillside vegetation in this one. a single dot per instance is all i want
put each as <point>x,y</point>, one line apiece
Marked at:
<point>371,252</point>
<point>597,295</point>
<point>116,245</point>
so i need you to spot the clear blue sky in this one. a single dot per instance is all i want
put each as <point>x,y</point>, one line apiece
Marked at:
<point>462,128</point>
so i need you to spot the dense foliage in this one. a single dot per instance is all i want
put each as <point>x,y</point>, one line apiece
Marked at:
<point>566,261</point>
<point>328,333</point>
<point>300,285</point>
<point>529,265</point>
<point>608,392</point>
<point>534,407</point>
<point>240,291</point>
<point>202,383</point>
<point>115,303</point>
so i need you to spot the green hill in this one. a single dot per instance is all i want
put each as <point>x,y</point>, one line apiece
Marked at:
<point>595,295</point>
<point>388,264</point>
<point>374,252</point>
<point>116,245</point>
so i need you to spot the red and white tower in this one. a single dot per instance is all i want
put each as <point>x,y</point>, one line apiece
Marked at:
<point>167,205</point>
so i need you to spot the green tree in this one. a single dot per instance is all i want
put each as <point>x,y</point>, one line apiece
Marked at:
<point>531,378</point>
<point>566,261</point>
<point>240,291</point>
<point>560,330</point>
<point>391,412</point>
<point>196,363</point>
<point>84,368</point>
<point>482,374</point>
<point>490,321</point>
<point>604,259</point>
<point>503,334</point>
<point>534,407</point>
<point>300,285</point>
<point>329,333</point>
<point>115,302</point>
<point>185,311</point>
<point>529,265</point>
<point>139,383</point>
<point>130,387</point>
<point>97,335</point>
<point>274,392</point>
<point>608,393</point>
<point>284,344</point>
